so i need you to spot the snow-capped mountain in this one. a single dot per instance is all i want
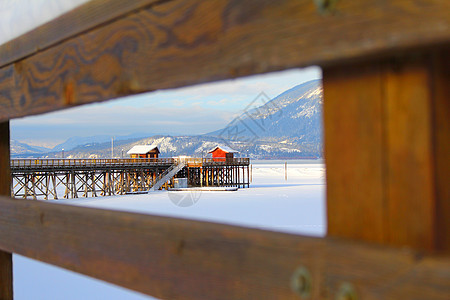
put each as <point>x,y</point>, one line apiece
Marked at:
<point>17,147</point>
<point>295,114</point>
<point>287,126</point>
<point>196,146</point>
<point>76,141</point>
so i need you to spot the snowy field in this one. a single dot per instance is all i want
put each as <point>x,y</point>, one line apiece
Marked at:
<point>295,205</point>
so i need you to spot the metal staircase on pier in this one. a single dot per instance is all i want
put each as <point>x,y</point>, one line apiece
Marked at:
<point>168,174</point>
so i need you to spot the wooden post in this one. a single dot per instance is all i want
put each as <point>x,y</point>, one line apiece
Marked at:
<point>233,171</point>
<point>285,170</point>
<point>47,184</point>
<point>33,185</point>
<point>6,289</point>
<point>248,176</point>
<point>74,185</point>
<point>55,183</point>
<point>441,138</point>
<point>94,190</point>
<point>389,185</point>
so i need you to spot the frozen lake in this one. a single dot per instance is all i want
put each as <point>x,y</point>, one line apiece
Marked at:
<point>295,205</point>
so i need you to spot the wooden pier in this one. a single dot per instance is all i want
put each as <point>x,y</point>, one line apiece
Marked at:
<point>73,178</point>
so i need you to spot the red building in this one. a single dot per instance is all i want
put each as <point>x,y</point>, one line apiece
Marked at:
<point>222,153</point>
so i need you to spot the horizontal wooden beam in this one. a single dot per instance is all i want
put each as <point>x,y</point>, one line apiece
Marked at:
<point>77,21</point>
<point>180,259</point>
<point>177,43</point>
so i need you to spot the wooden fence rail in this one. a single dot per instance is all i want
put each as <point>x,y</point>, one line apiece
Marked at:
<point>180,259</point>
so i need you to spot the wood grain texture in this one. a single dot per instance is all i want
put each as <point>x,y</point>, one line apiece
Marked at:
<point>6,279</point>
<point>353,132</point>
<point>181,259</point>
<point>6,288</point>
<point>180,43</point>
<point>410,181</point>
<point>441,137</point>
<point>5,177</point>
<point>85,17</point>
<point>386,149</point>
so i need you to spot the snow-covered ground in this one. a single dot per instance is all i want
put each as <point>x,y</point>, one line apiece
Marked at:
<point>295,205</point>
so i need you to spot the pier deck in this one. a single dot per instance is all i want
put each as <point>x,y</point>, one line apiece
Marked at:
<point>73,178</point>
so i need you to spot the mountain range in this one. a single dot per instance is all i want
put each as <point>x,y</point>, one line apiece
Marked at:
<point>287,126</point>
<point>18,148</point>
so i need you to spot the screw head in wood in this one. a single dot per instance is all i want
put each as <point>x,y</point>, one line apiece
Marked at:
<point>325,6</point>
<point>346,292</point>
<point>301,282</point>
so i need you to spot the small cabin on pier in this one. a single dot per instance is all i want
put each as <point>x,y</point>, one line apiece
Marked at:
<point>144,151</point>
<point>222,153</point>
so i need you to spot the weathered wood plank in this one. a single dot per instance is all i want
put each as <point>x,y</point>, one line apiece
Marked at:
<point>410,180</point>
<point>6,288</point>
<point>163,257</point>
<point>353,152</point>
<point>441,136</point>
<point>386,149</point>
<point>380,273</point>
<point>181,259</point>
<point>6,279</point>
<point>180,43</point>
<point>75,22</point>
<point>5,178</point>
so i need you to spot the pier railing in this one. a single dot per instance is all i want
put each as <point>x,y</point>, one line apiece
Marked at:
<point>194,161</point>
<point>117,162</point>
<point>90,162</point>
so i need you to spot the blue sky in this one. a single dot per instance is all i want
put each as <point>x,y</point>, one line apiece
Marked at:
<point>184,111</point>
